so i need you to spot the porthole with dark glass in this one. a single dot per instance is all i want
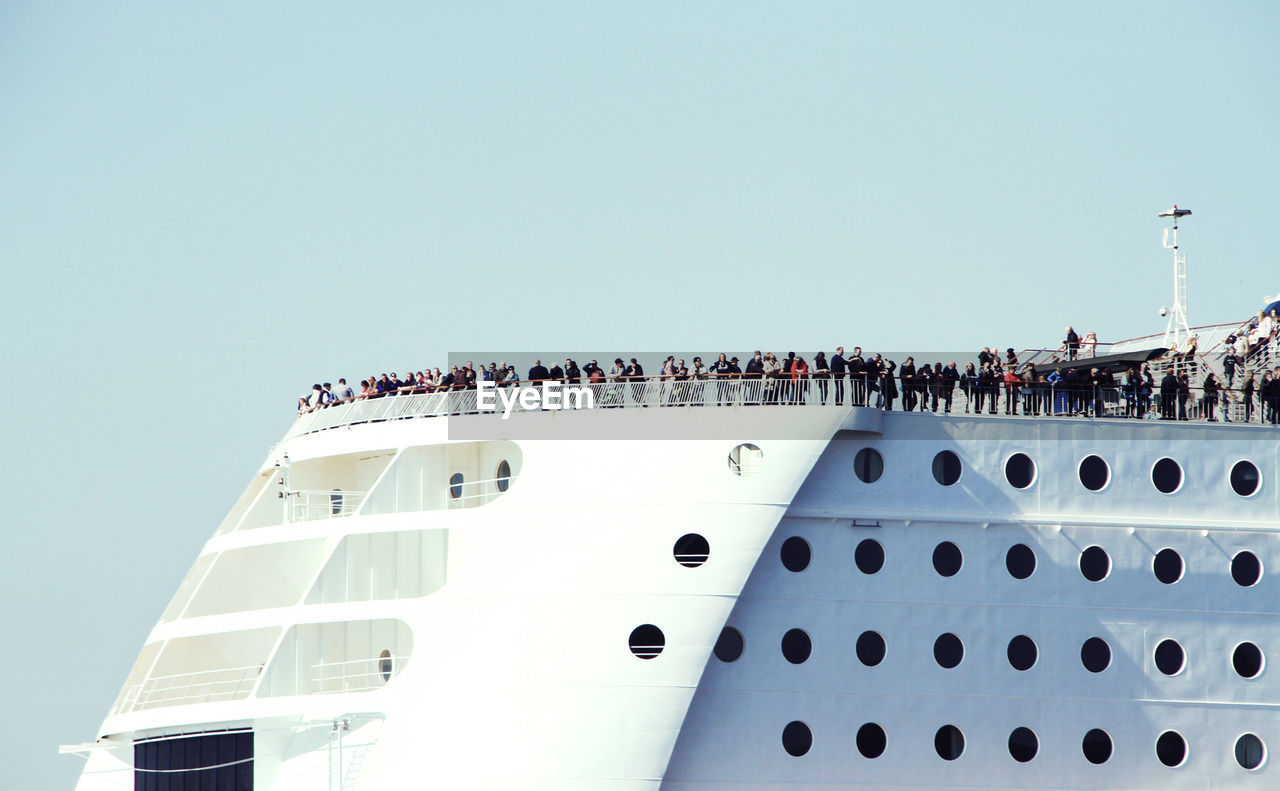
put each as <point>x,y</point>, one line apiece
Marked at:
<point>455,485</point>
<point>1096,746</point>
<point>1022,652</point>
<point>647,641</point>
<point>948,650</point>
<point>869,556</point>
<point>1023,744</point>
<point>1250,751</point>
<point>797,738</point>
<point>1167,566</point>
<point>871,740</point>
<point>947,559</point>
<point>1246,569</point>
<point>796,646</point>
<point>503,478</point>
<point>1170,658</point>
<point>949,742</point>
<point>691,550</point>
<point>1094,473</point>
<point>946,468</point>
<point>868,465</point>
<point>1171,748</point>
<point>1020,471</point>
<point>1167,475</point>
<point>1247,660</point>
<point>1095,564</point>
<point>795,554</point>
<point>1245,478</point>
<point>729,645</point>
<point>385,665</point>
<point>1095,655</point>
<point>1020,560</point>
<point>870,648</point>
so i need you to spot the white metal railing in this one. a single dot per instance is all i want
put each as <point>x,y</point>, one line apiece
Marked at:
<point>306,505</point>
<point>1041,399</point>
<point>202,686</point>
<point>355,675</point>
<point>469,494</point>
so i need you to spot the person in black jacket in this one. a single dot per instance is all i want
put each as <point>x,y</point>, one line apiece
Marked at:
<point>635,373</point>
<point>1209,401</point>
<point>858,377</point>
<point>821,373</point>
<point>950,376</point>
<point>1168,396</point>
<point>1072,342</point>
<point>571,373</point>
<point>538,372</point>
<point>556,373</point>
<point>1184,393</point>
<point>889,384</point>
<point>907,375</point>
<point>838,368</point>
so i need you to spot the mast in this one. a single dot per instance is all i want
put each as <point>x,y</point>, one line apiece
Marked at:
<point>1177,331</point>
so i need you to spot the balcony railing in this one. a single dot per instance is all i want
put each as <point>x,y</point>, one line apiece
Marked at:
<point>203,686</point>
<point>306,505</point>
<point>1039,400</point>
<point>355,675</point>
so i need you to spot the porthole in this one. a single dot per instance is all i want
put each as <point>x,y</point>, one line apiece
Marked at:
<point>647,641</point>
<point>1023,744</point>
<point>1250,751</point>
<point>949,742</point>
<point>871,740</point>
<point>869,556</point>
<point>1094,473</point>
<point>455,485</point>
<point>746,459</point>
<point>1246,569</point>
<point>503,476</point>
<point>870,648</point>
<point>797,738</point>
<point>1170,658</point>
<point>795,554</point>
<point>729,645</point>
<point>1167,475</point>
<point>691,550</point>
<point>1167,566</point>
<point>1095,564</point>
<point>1095,655</point>
<point>1247,660</point>
<point>868,465</point>
<point>1245,478</point>
<point>1020,560</point>
<point>1171,748</point>
<point>1020,471</point>
<point>946,468</point>
<point>948,650</point>
<point>385,665</point>
<point>1096,746</point>
<point>947,559</point>
<point>796,646</point>
<point>1022,652</point>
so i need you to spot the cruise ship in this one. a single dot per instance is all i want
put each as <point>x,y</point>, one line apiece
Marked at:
<point>703,586</point>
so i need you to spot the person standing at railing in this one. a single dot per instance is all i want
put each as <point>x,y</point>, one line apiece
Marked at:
<point>857,377</point>
<point>924,383</point>
<point>538,372</point>
<point>821,373</point>
<point>754,373</point>
<point>968,385</point>
<point>874,371</point>
<point>889,384</point>
<point>617,377</point>
<point>838,368</point>
<point>1229,363</point>
<point>907,375</point>
<point>572,374</point>
<point>1184,394</point>
<point>1168,396</point>
<point>799,381</point>
<point>1246,395</point>
<point>1072,342</point>
<point>1269,395</point>
<point>555,373</point>
<point>1011,387</point>
<point>1209,398</point>
<point>949,378</point>
<point>772,372</point>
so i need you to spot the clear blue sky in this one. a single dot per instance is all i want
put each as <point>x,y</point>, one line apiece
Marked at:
<point>208,207</point>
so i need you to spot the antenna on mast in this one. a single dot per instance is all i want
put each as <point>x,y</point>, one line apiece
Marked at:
<point>1176,331</point>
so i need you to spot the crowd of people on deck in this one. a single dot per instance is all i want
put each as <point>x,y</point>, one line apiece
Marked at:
<point>992,383</point>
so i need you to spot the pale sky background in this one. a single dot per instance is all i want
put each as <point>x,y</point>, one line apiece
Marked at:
<point>208,207</point>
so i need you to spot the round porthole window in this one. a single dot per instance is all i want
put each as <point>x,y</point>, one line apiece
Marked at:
<point>948,650</point>
<point>503,476</point>
<point>1095,655</point>
<point>947,559</point>
<point>796,646</point>
<point>691,550</point>
<point>1020,471</point>
<point>1022,652</point>
<point>1095,564</point>
<point>1020,560</point>
<point>1167,476</point>
<point>869,556</point>
<point>385,665</point>
<point>797,738</point>
<point>455,485</point>
<point>795,554</point>
<point>1096,746</point>
<point>871,740</point>
<point>1170,658</point>
<point>1246,569</point>
<point>946,468</point>
<point>746,459</point>
<point>870,648</point>
<point>729,646</point>
<point>1250,751</point>
<point>949,742</point>
<point>1094,473</point>
<point>1245,478</point>
<point>1167,565</point>
<point>1023,744</point>
<point>647,641</point>
<point>1171,748</point>
<point>868,465</point>
<point>1247,660</point>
